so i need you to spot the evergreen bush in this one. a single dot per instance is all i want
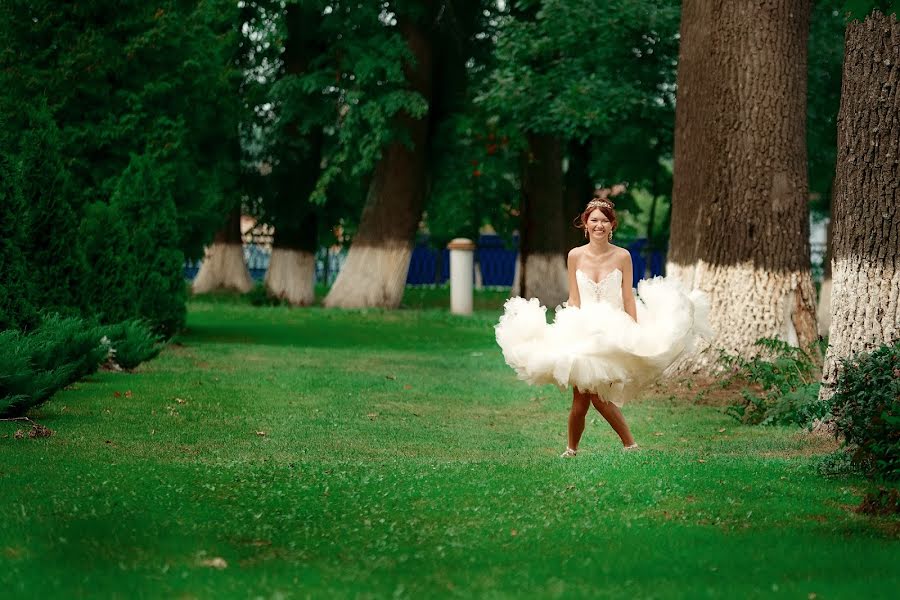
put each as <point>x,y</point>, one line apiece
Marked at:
<point>866,409</point>
<point>132,342</point>
<point>143,200</point>
<point>16,290</point>
<point>50,245</point>
<point>34,366</point>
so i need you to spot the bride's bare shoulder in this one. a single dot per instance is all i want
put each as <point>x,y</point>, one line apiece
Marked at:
<point>576,251</point>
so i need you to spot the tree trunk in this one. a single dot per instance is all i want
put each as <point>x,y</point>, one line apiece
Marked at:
<point>740,228</point>
<point>223,266</point>
<point>374,274</point>
<point>579,191</point>
<point>542,243</point>
<point>865,310</point>
<point>292,267</point>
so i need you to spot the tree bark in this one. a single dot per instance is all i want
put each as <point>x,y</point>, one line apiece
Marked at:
<point>865,309</point>
<point>291,275</point>
<point>740,228</point>
<point>543,241</point>
<point>223,266</point>
<point>374,274</point>
<point>292,267</point>
<point>579,191</point>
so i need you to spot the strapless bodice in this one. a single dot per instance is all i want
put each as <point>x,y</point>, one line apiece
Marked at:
<point>608,289</point>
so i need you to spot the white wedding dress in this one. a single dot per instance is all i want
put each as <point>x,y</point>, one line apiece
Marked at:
<point>597,347</point>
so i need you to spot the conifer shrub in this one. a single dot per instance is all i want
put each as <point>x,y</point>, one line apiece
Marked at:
<point>131,342</point>
<point>143,200</point>
<point>35,365</point>
<point>16,289</point>
<point>51,241</point>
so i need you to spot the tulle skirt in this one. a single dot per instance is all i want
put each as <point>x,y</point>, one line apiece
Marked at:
<point>598,347</point>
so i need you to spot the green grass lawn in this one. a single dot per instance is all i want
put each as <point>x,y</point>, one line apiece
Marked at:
<point>278,453</point>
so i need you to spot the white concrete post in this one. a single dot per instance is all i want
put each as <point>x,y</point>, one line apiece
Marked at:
<point>462,255</point>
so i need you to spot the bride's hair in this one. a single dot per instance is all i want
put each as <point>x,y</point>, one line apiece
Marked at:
<point>606,206</point>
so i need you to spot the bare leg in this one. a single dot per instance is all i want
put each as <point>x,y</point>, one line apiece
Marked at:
<point>580,405</point>
<point>614,417</point>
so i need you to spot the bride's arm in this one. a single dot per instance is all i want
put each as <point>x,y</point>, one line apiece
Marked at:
<point>572,264</point>
<point>627,292</point>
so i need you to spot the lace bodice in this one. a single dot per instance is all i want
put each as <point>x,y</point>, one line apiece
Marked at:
<point>608,289</point>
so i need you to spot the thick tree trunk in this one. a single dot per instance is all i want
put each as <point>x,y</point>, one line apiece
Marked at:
<point>292,267</point>
<point>542,243</point>
<point>374,274</point>
<point>223,266</point>
<point>865,310</point>
<point>740,227</point>
<point>579,191</point>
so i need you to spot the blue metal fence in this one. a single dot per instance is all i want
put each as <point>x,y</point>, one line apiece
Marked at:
<point>429,266</point>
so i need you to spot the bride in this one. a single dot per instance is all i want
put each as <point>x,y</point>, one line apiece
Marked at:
<point>603,342</point>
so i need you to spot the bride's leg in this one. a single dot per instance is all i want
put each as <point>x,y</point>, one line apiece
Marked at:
<point>614,417</point>
<point>580,405</point>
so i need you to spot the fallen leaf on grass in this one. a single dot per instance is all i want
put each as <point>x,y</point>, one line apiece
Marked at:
<point>39,431</point>
<point>180,400</point>
<point>700,460</point>
<point>261,433</point>
<point>407,387</point>
<point>19,434</point>
<point>372,416</point>
<point>513,532</point>
<point>117,394</point>
<point>216,563</point>
<point>128,394</point>
<point>722,430</point>
<point>391,377</point>
<point>657,433</point>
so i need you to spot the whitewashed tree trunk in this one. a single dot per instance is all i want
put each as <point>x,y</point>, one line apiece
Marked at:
<point>291,276</point>
<point>542,273</point>
<point>865,306</point>
<point>517,277</point>
<point>740,228</point>
<point>548,279</point>
<point>223,266</point>
<point>374,274</point>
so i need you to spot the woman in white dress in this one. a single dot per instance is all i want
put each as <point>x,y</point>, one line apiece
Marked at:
<point>603,342</point>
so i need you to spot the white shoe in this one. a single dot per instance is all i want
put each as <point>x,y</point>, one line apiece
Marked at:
<point>631,447</point>
<point>569,453</point>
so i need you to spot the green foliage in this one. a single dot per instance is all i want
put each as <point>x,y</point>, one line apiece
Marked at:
<point>259,296</point>
<point>16,288</point>
<point>108,287</point>
<point>34,366</point>
<point>783,384</point>
<point>52,233</point>
<point>156,79</point>
<point>143,201</point>
<point>131,343</point>
<point>859,9</point>
<point>826,57</point>
<point>866,409</point>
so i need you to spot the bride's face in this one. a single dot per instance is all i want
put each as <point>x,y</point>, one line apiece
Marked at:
<point>598,225</point>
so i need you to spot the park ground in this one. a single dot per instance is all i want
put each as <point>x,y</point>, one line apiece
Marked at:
<point>279,453</point>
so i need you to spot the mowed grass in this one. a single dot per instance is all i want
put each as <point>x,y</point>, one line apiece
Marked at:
<point>278,453</point>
